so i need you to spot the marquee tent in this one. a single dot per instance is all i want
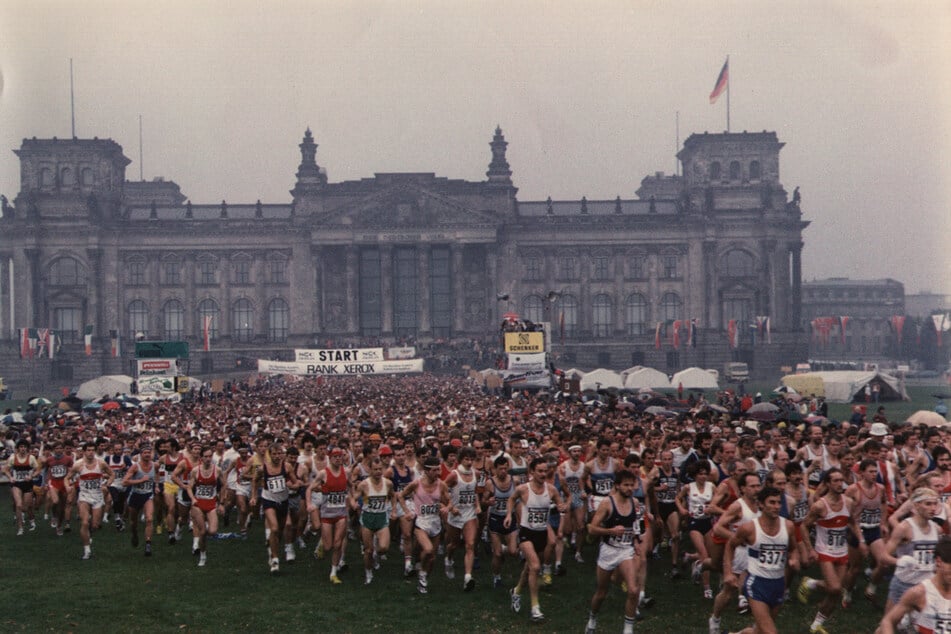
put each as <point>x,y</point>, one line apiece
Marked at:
<point>842,386</point>
<point>600,379</point>
<point>695,379</point>
<point>105,385</point>
<point>646,377</point>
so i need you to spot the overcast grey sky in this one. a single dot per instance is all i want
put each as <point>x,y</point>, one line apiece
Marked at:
<point>586,94</point>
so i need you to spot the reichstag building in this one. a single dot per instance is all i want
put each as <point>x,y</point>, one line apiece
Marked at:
<point>408,257</point>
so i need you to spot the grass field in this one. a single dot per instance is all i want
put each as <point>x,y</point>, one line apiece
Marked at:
<point>46,587</point>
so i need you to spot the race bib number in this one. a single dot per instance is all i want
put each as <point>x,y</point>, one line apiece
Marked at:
<point>924,556</point>
<point>773,557</point>
<point>836,538</point>
<point>91,485</point>
<point>21,475</point>
<point>205,491</point>
<point>537,516</point>
<point>144,487</point>
<point>573,485</point>
<point>276,484</point>
<point>58,471</point>
<point>376,504</point>
<point>429,509</point>
<point>467,498</point>
<point>870,517</point>
<point>338,498</point>
<point>501,504</point>
<point>603,487</point>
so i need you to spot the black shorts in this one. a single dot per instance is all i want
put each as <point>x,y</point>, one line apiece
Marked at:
<point>26,487</point>
<point>538,539</point>
<point>702,526</point>
<point>497,525</point>
<point>280,507</point>
<point>138,500</point>
<point>666,509</point>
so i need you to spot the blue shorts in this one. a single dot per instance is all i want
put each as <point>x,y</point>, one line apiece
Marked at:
<point>870,535</point>
<point>497,525</point>
<point>554,520</point>
<point>768,591</point>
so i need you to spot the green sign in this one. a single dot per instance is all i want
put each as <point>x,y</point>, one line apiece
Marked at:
<point>161,349</point>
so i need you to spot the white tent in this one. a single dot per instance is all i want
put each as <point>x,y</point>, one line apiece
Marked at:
<point>601,378</point>
<point>841,386</point>
<point>647,377</point>
<point>106,385</point>
<point>695,379</point>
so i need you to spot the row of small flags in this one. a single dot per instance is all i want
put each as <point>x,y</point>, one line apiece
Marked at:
<point>40,342</point>
<point>672,329</point>
<point>822,327</point>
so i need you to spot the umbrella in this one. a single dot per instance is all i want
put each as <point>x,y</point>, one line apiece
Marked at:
<point>793,397</point>
<point>39,401</point>
<point>92,406</point>
<point>510,316</point>
<point>625,405</point>
<point>125,398</point>
<point>14,417</point>
<point>819,420</point>
<point>762,407</point>
<point>718,408</point>
<point>785,389</point>
<point>70,414</point>
<point>926,417</point>
<point>657,410</point>
<point>110,405</point>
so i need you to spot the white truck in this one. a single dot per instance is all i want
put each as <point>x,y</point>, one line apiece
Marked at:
<point>736,371</point>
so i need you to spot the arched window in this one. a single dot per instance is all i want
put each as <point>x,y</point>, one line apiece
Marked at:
<point>636,314</point>
<point>533,309</point>
<point>207,308</point>
<point>174,319</point>
<point>66,272</point>
<point>278,320</point>
<point>87,177</point>
<point>715,171</point>
<point>46,177</point>
<point>738,263</point>
<point>755,171</point>
<point>67,178</point>
<point>734,170</point>
<point>242,320</point>
<point>603,316</point>
<point>671,307</point>
<point>138,319</point>
<point>569,308</point>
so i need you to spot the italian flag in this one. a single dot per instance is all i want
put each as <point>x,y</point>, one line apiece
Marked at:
<point>87,340</point>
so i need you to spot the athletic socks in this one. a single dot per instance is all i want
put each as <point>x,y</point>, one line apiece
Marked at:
<point>812,584</point>
<point>628,625</point>
<point>819,621</point>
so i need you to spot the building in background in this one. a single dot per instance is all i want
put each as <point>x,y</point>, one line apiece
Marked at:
<point>696,269</point>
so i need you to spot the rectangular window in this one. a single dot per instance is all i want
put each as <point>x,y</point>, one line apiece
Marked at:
<point>371,294</point>
<point>670,267</point>
<point>533,269</point>
<point>638,267</point>
<point>242,272</point>
<point>440,284</point>
<point>206,272</point>
<point>405,289</point>
<point>172,273</point>
<point>136,273</point>
<point>67,324</point>
<point>277,271</point>
<point>600,267</point>
<point>567,268</point>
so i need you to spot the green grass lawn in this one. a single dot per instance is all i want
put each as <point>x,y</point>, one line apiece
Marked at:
<point>46,587</point>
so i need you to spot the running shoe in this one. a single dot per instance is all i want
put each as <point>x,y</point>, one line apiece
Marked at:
<point>343,567</point>
<point>497,583</point>
<point>469,585</point>
<point>275,564</point>
<point>803,592</point>
<point>697,571</point>
<point>743,605</point>
<point>290,555</point>
<point>708,593</point>
<point>53,523</point>
<point>817,629</point>
<point>67,528</point>
<point>171,539</point>
<point>869,595</point>
<point>537,616</point>
<point>32,525</point>
<point>319,551</point>
<point>593,630</point>
<point>421,585</point>
<point>846,598</point>
<point>516,601</point>
<point>19,531</point>
<point>59,532</point>
<point>334,579</point>
<point>148,549</point>
<point>450,573</point>
<point>369,578</point>
<point>560,570</point>
<point>579,558</point>
<point>120,525</point>
<point>713,624</point>
<point>87,555</point>
<point>646,602</point>
<point>546,579</point>
<point>158,529</point>
<point>202,560</point>
<point>408,571</point>
<point>675,573</point>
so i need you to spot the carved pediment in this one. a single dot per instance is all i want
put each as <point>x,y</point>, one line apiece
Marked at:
<point>405,206</point>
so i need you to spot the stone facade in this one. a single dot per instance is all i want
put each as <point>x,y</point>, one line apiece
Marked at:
<point>407,256</point>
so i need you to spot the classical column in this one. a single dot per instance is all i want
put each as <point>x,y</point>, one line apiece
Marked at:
<point>492,283</point>
<point>711,300</point>
<point>796,249</point>
<point>458,290</point>
<point>35,318</point>
<point>352,275</point>
<point>386,290</point>
<point>317,306</point>
<point>94,311</point>
<point>424,295</point>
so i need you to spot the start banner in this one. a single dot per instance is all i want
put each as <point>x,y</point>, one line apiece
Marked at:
<point>339,369</point>
<point>524,342</point>
<point>338,355</point>
<point>157,367</point>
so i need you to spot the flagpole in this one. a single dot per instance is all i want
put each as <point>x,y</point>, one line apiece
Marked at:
<point>72,101</point>
<point>728,82</point>
<point>677,144</point>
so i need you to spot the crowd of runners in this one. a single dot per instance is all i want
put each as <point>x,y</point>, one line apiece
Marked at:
<point>445,470</point>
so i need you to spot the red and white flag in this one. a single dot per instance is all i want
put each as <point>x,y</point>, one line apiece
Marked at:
<point>898,323</point>
<point>732,333</point>
<point>660,325</point>
<point>206,332</point>
<point>675,335</point>
<point>843,323</point>
<point>723,79</point>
